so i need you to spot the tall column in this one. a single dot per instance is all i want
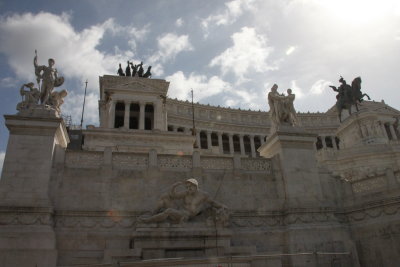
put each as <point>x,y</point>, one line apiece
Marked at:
<point>231,144</point>
<point>394,136</point>
<point>253,147</point>
<point>141,115</point>
<point>198,139</point>
<point>127,113</point>
<point>242,152</point>
<point>262,139</point>
<point>334,143</point>
<point>209,144</point>
<point>383,128</point>
<point>323,141</point>
<point>221,148</point>
<point>112,114</point>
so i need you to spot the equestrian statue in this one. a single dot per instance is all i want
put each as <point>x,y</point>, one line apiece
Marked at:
<point>348,95</point>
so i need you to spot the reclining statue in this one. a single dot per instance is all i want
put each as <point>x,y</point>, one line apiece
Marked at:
<point>194,202</point>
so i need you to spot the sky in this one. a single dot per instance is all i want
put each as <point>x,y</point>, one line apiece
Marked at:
<point>230,52</point>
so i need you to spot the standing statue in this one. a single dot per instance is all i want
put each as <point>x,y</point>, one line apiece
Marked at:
<point>281,108</point>
<point>134,69</point>
<point>49,77</point>
<point>29,98</point>
<point>289,106</point>
<point>194,202</point>
<point>140,71</point>
<point>120,71</point>
<point>148,73</point>
<point>128,70</point>
<point>348,95</point>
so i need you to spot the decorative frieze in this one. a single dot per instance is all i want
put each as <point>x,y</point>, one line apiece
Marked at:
<point>130,160</point>
<point>83,159</point>
<point>263,165</point>
<point>369,184</point>
<point>216,163</point>
<point>171,161</point>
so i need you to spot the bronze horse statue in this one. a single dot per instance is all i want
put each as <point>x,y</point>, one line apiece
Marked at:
<point>348,95</point>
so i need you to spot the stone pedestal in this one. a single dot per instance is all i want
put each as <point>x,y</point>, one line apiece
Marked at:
<point>186,242</point>
<point>298,165</point>
<point>28,160</point>
<point>27,235</point>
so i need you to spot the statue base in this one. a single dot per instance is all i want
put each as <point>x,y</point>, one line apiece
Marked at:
<point>164,241</point>
<point>294,148</point>
<point>39,111</point>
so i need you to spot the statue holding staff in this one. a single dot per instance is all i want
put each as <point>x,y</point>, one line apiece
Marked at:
<point>49,76</point>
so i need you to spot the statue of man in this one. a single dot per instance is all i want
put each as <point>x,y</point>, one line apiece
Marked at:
<point>48,75</point>
<point>128,70</point>
<point>194,201</point>
<point>120,71</point>
<point>289,99</point>
<point>134,69</point>
<point>140,71</point>
<point>275,101</point>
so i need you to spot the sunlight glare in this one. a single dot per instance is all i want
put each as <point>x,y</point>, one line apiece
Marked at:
<point>358,11</point>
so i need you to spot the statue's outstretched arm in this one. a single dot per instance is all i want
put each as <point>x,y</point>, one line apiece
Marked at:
<point>334,88</point>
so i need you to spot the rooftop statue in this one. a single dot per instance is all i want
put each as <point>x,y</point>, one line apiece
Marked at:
<point>148,73</point>
<point>282,109</point>
<point>194,200</point>
<point>134,70</point>
<point>140,71</point>
<point>128,70</point>
<point>49,77</point>
<point>120,71</point>
<point>348,95</point>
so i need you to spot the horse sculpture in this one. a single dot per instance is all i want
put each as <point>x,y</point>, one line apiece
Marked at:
<point>348,95</point>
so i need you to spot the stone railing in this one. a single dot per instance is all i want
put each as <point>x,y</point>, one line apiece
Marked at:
<point>130,160</point>
<point>172,161</point>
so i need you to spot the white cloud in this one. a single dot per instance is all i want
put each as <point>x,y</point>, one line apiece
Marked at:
<point>229,15</point>
<point>169,46</point>
<point>73,106</point>
<point>76,54</point>
<point>319,87</point>
<point>290,50</point>
<point>249,53</point>
<point>129,32</point>
<point>296,90</point>
<point>202,86</point>
<point>2,155</point>
<point>179,22</point>
<point>8,82</point>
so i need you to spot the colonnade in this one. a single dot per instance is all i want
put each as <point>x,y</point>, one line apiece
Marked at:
<point>327,141</point>
<point>132,115</point>
<point>226,143</point>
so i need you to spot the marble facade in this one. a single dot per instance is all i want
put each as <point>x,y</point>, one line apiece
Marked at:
<point>323,194</point>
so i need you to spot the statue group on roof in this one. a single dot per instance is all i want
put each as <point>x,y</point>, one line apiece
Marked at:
<point>134,70</point>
